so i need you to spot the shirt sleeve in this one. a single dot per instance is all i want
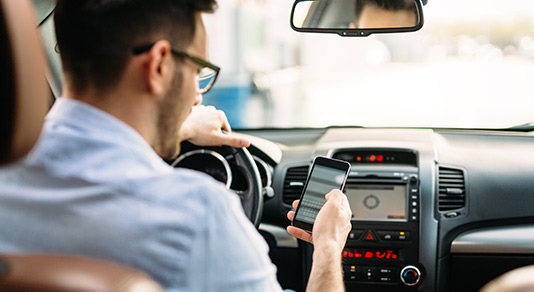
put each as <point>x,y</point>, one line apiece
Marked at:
<point>229,254</point>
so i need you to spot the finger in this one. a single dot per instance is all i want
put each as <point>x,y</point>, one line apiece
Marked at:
<point>334,195</point>
<point>225,125</point>
<point>233,141</point>
<point>295,204</point>
<point>290,215</point>
<point>300,234</point>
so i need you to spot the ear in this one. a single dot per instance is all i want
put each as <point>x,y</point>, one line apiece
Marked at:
<point>158,69</point>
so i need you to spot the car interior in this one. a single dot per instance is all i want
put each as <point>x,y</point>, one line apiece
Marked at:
<point>442,200</point>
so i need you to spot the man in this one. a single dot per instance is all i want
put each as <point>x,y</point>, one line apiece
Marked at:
<point>384,13</point>
<point>95,183</point>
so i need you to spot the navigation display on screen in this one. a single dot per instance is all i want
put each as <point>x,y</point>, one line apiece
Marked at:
<point>378,202</point>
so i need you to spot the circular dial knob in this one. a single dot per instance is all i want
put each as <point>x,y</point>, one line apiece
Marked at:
<point>410,275</point>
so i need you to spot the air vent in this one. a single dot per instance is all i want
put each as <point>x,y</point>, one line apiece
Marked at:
<point>294,183</point>
<point>451,185</point>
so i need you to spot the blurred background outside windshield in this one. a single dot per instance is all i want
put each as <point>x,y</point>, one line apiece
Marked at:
<point>471,66</point>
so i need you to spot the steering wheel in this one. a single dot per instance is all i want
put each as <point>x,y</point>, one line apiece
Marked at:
<point>252,197</point>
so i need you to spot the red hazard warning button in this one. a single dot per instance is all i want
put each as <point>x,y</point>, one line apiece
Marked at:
<point>369,236</point>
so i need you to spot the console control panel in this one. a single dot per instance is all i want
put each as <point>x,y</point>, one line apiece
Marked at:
<point>382,249</point>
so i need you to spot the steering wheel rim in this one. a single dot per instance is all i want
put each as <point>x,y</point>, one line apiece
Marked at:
<point>252,198</point>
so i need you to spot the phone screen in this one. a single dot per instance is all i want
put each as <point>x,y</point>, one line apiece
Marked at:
<point>326,175</point>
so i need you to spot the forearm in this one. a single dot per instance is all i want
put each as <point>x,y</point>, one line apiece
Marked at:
<point>326,273</point>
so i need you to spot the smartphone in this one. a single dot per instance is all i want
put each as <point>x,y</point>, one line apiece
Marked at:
<point>325,175</point>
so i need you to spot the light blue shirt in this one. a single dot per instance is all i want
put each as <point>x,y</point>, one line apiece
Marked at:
<point>93,186</point>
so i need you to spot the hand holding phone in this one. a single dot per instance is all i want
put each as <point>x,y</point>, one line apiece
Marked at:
<point>325,175</point>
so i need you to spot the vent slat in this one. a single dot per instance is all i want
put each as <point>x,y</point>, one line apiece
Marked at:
<point>451,189</point>
<point>294,183</point>
<point>452,181</point>
<point>445,187</point>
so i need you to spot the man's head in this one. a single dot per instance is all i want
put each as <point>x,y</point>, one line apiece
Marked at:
<point>96,37</point>
<point>97,40</point>
<point>385,13</point>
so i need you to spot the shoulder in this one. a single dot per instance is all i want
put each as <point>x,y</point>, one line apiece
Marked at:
<point>180,186</point>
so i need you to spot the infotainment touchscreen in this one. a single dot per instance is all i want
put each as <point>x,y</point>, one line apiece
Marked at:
<point>377,202</point>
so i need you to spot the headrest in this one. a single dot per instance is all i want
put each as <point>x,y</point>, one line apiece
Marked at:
<point>24,92</point>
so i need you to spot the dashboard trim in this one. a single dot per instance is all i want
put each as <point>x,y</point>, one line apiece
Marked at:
<point>268,170</point>
<point>498,240</point>
<point>281,236</point>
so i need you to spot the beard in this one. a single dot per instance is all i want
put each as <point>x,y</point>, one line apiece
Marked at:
<point>171,117</point>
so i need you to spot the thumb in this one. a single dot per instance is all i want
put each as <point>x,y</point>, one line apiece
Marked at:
<point>334,194</point>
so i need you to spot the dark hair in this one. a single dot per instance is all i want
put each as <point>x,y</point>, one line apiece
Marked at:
<point>392,5</point>
<point>96,37</point>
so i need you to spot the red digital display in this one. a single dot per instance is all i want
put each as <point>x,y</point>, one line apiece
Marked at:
<point>377,157</point>
<point>371,253</point>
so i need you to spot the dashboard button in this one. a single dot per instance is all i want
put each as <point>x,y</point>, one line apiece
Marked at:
<point>355,234</point>
<point>369,274</point>
<point>369,236</point>
<point>394,235</point>
<point>403,236</point>
<point>385,271</point>
<point>351,273</point>
<point>385,235</point>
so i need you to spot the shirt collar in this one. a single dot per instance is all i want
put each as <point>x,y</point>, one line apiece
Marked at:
<point>84,116</point>
<point>95,125</point>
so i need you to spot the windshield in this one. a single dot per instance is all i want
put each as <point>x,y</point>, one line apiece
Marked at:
<point>470,66</point>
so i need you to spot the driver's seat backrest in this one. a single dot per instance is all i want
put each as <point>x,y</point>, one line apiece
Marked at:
<point>63,273</point>
<point>24,97</point>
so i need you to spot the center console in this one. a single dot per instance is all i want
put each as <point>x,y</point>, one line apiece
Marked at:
<point>382,250</point>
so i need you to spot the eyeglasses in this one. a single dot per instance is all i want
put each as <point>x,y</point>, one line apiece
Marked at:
<point>208,72</point>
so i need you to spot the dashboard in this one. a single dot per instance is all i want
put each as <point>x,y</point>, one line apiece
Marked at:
<point>433,209</point>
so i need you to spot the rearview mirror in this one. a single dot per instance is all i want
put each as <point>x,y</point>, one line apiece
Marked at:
<point>356,17</point>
